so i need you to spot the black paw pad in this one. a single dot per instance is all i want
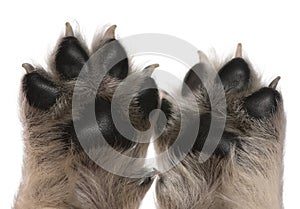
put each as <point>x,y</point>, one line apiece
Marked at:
<point>107,125</point>
<point>228,139</point>
<point>193,78</point>
<point>40,92</point>
<point>113,51</point>
<point>148,99</point>
<point>262,103</point>
<point>235,74</point>
<point>88,131</point>
<point>225,143</point>
<point>70,58</point>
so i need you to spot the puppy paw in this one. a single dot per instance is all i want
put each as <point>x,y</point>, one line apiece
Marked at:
<point>66,108</point>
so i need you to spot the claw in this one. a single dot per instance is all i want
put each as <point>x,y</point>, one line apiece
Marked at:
<point>238,52</point>
<point>202,57</point>
<point>150,68</point>
<point>69,30</point>
<point>274,83</point>
<point>28,67</point>
<point>110,33</point>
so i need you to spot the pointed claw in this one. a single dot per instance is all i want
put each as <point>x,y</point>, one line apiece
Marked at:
<point>28,67</point>
<point>152,66</point>
<point>239,50</point>
<point>274,83</point>
<point>149,69</point>
<point>202,57</point>
<point>110,33</point>
<point>69,30</point>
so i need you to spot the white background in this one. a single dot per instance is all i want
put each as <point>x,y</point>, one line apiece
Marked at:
<point>268,30</point>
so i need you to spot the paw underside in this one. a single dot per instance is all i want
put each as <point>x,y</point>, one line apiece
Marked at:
<point>47,91</point>
<point>43,91</point>
<point>48,107</point>
<point>247,104</point>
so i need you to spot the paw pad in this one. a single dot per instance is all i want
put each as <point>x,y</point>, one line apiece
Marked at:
<point>40,92</point>
<point>262,103</point>
<point>236,77</point>
<point>235,74</point>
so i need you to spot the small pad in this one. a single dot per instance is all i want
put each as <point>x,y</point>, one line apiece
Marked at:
<point>111,52</point>
<point>262,103</point>
<point>235,74</point>
<point>40,92</point>
<point>70,58</point>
